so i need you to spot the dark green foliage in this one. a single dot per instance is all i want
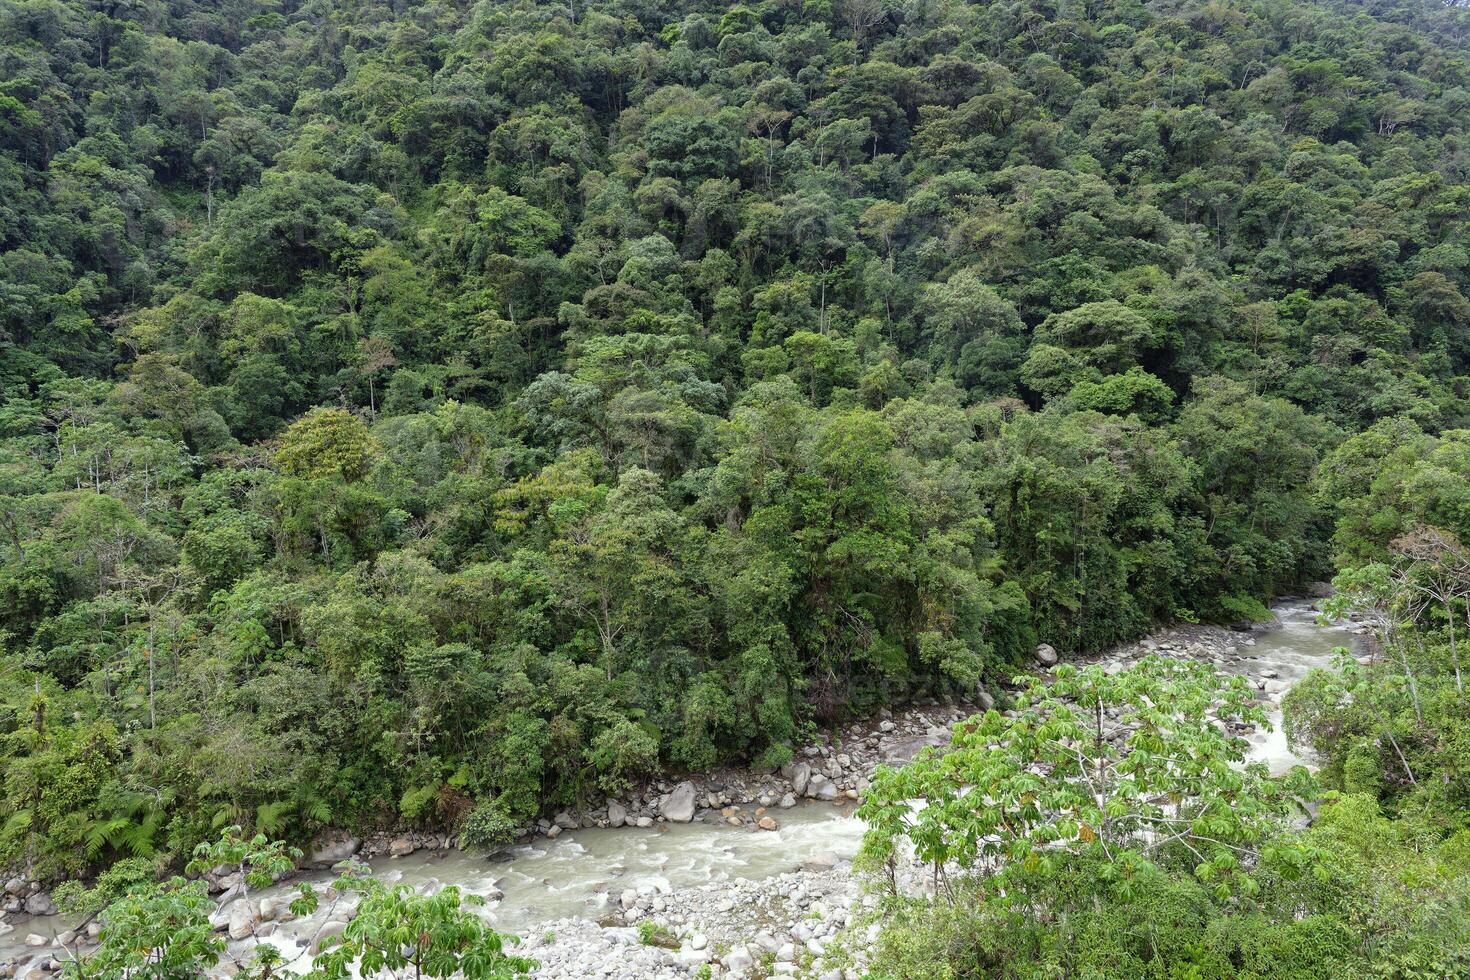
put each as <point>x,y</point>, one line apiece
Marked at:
<point>441,411</point>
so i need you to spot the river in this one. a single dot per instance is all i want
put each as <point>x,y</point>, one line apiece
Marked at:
<point>1282,655</point>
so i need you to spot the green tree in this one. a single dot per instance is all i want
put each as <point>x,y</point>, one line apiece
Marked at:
<point>326,442</point>
<point>396,933</point>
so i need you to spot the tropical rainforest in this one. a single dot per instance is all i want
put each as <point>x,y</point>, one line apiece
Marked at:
<point>433,413</point>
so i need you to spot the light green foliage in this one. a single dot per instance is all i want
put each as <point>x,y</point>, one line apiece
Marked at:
<point>1135,392</point>
<point>395,929</point>
<point>1128,772</point>
<point>1395,727</point>
<point>257,859</point>
<point>153,930</point>
<point>326,442</point>
<point>75,898</point>
<point>1159,854</point>
<point>651,933</point>
<point>488,825</point>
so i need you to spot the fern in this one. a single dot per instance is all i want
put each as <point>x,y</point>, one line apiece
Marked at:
<point>318,810</point>
<point>138,837</point>
<point>132,828</point>
<point>101,834</point>
<point>271,817</point>
<point>19,823</point>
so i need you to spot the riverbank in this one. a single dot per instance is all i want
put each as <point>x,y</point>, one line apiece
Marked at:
<point>793,924</point>
<point>715,890</point>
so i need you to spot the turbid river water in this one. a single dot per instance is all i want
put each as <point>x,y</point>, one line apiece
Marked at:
<point>578,874</point>
<point>582,873</point>
<point>1289,651</point>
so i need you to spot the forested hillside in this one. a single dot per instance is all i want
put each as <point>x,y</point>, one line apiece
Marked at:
<point>427,413</point>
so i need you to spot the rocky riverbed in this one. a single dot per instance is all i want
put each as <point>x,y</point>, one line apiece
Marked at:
<point>733,873</point>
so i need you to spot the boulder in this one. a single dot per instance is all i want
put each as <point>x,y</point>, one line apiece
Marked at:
<point>330,929</point>
<point>244,917</point>
<point>40,904</point>
<point>220,878</point>
<point>1046,655</point>
<point>824,861</point>
<point>825,790</point>
<point>739,959</point>
<point>617,814</point>
<point>401,847</point>
<point>800,775</point>
<point>693,957</point>
<point>566,821</point>
<point>330,850</point>
<point>904,750</point>
<point>16,887</point>
<point>678,806</point>
<point>36,939</point>
<point>787,802</point>
<point>767,823</point>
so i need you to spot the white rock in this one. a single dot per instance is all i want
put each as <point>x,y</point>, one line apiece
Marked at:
<point>243,919</point>
<point>678,806</point>
<point>800,775</point>
<point>739,959</point>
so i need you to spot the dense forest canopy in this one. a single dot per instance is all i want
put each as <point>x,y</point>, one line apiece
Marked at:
<point>430,412</point>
